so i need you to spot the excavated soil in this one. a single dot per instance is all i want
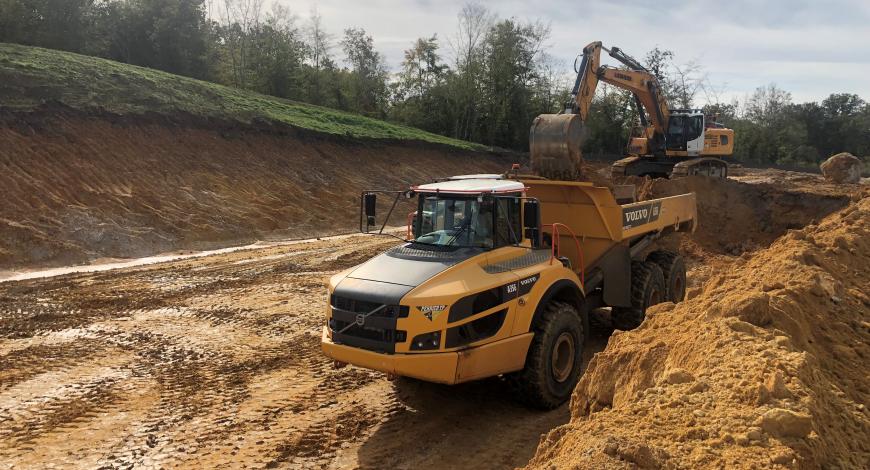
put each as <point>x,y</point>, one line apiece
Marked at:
<point>79,187</point>
<point>214,362</point>
<point>764,367</point>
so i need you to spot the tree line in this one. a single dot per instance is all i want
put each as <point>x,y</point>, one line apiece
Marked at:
<point>498,77</point>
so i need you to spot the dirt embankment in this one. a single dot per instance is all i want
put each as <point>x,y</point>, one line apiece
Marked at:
<point>764,368</point>
<point>78,187</point>
<point>736,217</point>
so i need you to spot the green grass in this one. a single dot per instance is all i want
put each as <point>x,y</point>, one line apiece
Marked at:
<point>31,76</point>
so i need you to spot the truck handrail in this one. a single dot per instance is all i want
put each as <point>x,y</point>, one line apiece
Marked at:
<point>554,247</point>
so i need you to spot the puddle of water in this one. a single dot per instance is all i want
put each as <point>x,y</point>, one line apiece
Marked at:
<point>9,276</point>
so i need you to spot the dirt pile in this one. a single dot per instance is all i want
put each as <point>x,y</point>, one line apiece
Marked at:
<point>764,368</point>
<point>735,217</point>
<point>78,187</point>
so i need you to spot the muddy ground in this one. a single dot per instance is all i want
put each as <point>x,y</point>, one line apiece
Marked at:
<point>215,362</point>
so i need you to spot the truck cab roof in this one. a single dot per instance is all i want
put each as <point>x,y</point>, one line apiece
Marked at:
<point>472,184</point>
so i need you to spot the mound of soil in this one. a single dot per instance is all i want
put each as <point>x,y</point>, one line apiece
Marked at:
<point>735,217</point>
<point>764,368</point>
<point>78,187</point>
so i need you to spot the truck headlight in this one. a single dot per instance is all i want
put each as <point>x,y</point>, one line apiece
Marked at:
<point>426,341</point>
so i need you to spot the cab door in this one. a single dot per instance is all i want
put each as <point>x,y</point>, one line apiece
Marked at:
<point>694,135</point>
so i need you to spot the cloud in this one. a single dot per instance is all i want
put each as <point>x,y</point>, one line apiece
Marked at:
<point>807,47</point>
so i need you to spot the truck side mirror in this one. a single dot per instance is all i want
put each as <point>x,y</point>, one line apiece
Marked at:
<point>370,202</point>
<point>532,222</point>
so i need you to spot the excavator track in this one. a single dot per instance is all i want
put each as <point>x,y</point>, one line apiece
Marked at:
<point>666,167</point>
<point>619,169</point>
<point>706,166</point>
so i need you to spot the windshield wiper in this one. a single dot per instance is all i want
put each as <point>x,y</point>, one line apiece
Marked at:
<point>465,224</point>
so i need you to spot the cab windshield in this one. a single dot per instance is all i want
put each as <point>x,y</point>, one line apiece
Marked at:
<point>467,221</point>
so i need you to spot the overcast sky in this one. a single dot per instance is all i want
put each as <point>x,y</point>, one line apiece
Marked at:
<point>809,48</point>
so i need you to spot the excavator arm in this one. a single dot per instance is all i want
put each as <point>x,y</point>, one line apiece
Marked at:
<point>555,139</point>
<point>637,79</point>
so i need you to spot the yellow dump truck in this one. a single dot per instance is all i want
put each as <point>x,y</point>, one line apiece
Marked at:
<point>498,276</point>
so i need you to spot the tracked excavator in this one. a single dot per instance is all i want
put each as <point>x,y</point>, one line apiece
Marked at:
<point>668,142</point>
<point>497,276</point>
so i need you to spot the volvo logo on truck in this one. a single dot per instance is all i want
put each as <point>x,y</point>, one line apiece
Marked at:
<point>635,216</point>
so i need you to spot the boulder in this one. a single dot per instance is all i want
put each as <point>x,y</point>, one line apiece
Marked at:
<point>677,376</point>
<point>842,168</point>
<point>786,423</point>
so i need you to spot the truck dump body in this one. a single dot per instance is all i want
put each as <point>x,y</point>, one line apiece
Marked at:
<point>592,213</point>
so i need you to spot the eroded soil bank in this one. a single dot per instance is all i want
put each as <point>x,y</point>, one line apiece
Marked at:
<point>79,187</point>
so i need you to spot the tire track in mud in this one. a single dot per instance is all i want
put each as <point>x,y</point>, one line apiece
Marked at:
<point>216,363</point>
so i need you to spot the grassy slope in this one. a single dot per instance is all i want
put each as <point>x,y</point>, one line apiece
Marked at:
<point>30,76</point>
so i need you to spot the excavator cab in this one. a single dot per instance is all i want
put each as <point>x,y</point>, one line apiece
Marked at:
<point>686,132</point>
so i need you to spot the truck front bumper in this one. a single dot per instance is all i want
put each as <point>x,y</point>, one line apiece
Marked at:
<point>499,357</point>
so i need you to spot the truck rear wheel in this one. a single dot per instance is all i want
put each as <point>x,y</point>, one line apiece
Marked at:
<point>554,361</point>
<point>674,270</point>
<point>647,289</point>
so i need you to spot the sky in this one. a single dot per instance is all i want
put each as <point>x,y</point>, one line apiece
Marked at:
<point>809,48</point>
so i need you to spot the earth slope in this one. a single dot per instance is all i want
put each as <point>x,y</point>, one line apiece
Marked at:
<point>765,367</point>
<point>104,160</point>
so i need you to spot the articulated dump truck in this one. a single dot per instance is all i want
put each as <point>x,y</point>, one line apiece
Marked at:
<point>498,275</point>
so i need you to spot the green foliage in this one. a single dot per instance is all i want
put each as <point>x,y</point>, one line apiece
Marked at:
<point>772,129</point>
<point>30,77</point>
<point>611,118</point>
<point>500,79</point>
<point>368,80</point>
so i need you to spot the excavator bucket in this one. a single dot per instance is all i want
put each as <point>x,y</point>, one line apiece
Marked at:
<point>554,145</point>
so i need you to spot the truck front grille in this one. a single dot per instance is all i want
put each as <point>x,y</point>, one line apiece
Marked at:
<point>354,324</point>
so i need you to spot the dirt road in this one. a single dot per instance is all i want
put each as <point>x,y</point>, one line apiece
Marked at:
<point>215,362</point>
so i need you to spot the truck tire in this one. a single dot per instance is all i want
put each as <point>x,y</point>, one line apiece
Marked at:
<point>647,289</point>
<point>554,361</point>
<point>674,269</point>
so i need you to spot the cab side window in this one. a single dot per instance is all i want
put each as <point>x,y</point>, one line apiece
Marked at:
<point>696,125</point>
<point>508,226</point>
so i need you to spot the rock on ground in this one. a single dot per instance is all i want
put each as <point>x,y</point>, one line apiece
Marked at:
<point>842,168</point>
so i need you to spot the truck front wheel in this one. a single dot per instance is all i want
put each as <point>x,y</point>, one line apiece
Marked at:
<point>554,361</point>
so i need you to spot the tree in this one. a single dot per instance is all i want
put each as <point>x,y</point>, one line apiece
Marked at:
<point>368,77</point>
<point>679,83</point>
<point>276,55</point>
<point>611,117</point>
<point>322,72</point>
<point>474,22</point>
<point>418,95</point>
<point>239,18</point>
<point>511,67</point>
<point>56,24</point>
<point>170,35</point>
